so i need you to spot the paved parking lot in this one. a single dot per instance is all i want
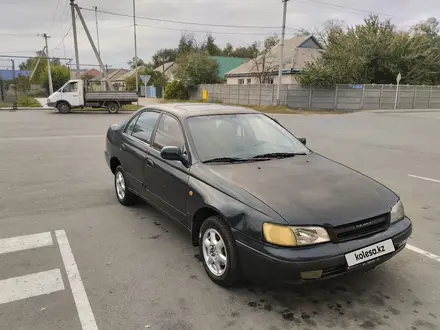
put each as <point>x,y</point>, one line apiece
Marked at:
<point>71,257</point>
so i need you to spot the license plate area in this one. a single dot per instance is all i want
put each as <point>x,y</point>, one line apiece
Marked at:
<point>369,252</point>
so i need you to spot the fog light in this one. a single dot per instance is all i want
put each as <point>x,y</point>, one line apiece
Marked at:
<point>314,274</point>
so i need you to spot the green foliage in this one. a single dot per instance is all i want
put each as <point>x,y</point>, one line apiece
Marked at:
<point>375,52</point>
<point>60,75</point>
<point>30,64</point>
<point>29,102</point>
<point>132,63</point>
<point>157,78</point>
<point>130,83</point>
<point>22,84</point>
<point>163,56</point>
<point>197,68</point>
<point>175,90</point>
<point>210,47</point>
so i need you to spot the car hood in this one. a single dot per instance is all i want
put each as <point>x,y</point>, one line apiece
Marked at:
<point>308,189</point>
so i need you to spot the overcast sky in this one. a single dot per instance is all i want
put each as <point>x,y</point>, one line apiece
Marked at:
<point>26,18</point>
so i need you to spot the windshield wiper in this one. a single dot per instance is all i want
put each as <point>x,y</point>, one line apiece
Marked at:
<point>278,155</point>
<point>225,159</point>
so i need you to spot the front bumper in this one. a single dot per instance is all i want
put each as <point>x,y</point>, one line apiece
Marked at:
<point>51,104</point>
<point>269,263</point>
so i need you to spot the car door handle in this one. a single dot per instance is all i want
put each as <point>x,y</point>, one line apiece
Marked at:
<point>150,163</point>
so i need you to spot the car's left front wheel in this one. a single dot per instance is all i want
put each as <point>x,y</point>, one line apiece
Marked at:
<point>219,253</point>
<point>125,197</point>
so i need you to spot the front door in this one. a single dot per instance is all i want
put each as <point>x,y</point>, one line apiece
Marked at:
<point>134,146</point>
<point>72,94</point>
<point>168,180</point>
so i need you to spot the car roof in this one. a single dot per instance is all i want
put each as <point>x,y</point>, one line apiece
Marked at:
<point>186,110</point>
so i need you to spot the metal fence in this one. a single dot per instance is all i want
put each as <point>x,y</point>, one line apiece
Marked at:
<point>342,97</point>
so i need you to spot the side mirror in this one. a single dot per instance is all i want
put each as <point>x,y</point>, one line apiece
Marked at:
<point>303,140</point>
<point>173,153</point>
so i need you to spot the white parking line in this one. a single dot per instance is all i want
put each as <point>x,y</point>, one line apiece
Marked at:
<point>25,242</point>
<point>423,252</point>
<point>79,293</point>
<point>31,285</point>
<point>423,178</point>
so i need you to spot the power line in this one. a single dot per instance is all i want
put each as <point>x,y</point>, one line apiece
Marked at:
<point>323,3</point>
<point>182,22</point>
<point>65,36</point>
<point>18,34</point>
<point>54,14</point>
<point>204,31</point>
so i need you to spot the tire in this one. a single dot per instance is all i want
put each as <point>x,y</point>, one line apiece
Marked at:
<point>112,107</point>
<point>226,254</point>
<point>64,107</point>
<point>124,196</point>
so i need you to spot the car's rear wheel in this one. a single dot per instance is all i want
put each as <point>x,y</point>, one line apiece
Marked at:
<point>218,252</point>
<point>125,197</point>
<point>63,107</point>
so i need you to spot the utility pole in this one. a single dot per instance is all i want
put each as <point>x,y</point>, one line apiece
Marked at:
<point>75,37</point>
<point>49,73</point>
<point>135,47</point>
<point>98,57</point>
<point>283,33</point>
<point>14,106</point>
<point>97,29</point>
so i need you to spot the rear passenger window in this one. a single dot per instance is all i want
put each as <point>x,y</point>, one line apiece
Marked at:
<point>144,126</point>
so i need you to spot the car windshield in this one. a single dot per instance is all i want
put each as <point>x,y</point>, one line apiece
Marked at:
<point>241,136</point>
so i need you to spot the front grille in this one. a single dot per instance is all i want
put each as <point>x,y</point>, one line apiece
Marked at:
<point>360,229</point>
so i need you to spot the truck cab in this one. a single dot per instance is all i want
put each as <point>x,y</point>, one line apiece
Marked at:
<point>70,95</point>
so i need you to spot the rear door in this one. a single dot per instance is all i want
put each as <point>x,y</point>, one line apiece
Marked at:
<point>134,146</point>
<point>168,180</point>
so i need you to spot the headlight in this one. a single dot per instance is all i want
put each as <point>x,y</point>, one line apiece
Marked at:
<point>397,212</point>
<point>294,236</point>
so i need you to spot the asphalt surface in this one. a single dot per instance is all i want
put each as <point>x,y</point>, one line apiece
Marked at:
<point>139,270</point>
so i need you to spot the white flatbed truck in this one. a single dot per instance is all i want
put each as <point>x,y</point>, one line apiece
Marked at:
<point>73,95</point>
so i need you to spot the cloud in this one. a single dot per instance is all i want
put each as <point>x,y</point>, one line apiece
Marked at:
<point>26,18</point>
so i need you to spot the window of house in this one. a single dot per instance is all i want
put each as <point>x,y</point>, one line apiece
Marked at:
<point>169,133</point>
<point>144,126</point>
<point>249,81</point>
<point>241,81</point>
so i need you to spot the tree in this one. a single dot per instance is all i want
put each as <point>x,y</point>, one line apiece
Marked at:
<point>264,61</point>
<point>163,56</point>
<point>375,52</point>
<point>132,65</point>
<point>228,50</point>
<point>187,44</point>
<point>60,75</point>
<point>428,28</point>
<point>210,47</point>
<point>196,68</point>
<point>322,34</point>
<point>130,83</point>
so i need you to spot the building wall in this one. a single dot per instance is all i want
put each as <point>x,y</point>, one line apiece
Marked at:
<point>285,79</point>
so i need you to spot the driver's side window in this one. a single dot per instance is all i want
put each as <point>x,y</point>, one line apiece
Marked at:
<point>72,87</point>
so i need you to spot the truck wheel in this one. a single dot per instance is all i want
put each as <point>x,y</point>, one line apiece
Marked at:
<point>63,107</point>
<point>112,107</point>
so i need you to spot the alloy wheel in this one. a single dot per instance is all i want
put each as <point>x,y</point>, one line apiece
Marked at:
<point>214,252</point>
